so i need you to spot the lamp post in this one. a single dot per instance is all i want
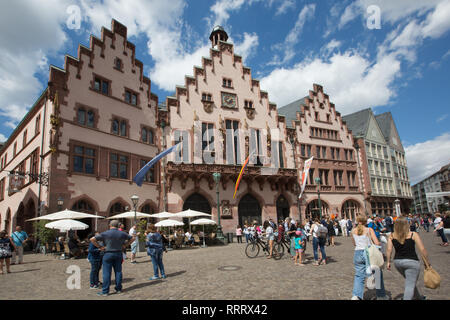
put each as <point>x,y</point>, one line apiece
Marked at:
<point>317,180</point>
<point>220,237</point>
<point>297,189</point>
<point>397,207</point>
<point>60,202</point>
<point>135,200</point>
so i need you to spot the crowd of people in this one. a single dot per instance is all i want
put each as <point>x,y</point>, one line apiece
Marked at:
<point>388,234</point>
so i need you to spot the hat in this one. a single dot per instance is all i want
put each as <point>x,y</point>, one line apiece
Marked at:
<point>298,232</point>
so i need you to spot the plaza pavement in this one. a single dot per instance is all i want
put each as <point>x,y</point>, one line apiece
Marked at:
<point>219,272</point>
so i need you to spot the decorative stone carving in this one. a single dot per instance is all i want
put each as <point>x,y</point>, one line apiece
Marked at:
<point>227,210</point>
<point>250,113</point>
<point>208,106</point>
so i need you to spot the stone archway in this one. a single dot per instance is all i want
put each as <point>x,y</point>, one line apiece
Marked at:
<point>197,202</point>
<point>351,209</point>
<point>85,206</point>
<point>312,209</point>
<point>249,210</point>
<point>283,208</point>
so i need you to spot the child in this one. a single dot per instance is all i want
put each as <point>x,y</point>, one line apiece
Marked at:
<point>299,245</point>
<point>95,257</point>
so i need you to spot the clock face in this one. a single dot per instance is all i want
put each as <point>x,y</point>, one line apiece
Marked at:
<point>228,100</point>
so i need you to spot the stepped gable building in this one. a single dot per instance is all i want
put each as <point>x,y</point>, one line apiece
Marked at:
<point>437,182</point>
<point>221,115</point>
<point>321,132</point>
<point>97,123</point>
<point>90,132</point>
<point>383,164</point>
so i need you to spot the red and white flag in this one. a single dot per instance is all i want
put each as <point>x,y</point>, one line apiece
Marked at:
<point>305,175</point>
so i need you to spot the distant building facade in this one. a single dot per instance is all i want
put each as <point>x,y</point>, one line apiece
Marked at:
<point>437,182</point>
<point>382,161</point>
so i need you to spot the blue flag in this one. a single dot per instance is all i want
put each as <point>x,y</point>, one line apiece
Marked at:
<point>139,178</point>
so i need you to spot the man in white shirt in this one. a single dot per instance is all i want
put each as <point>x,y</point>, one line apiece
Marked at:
<point>343,225</point>
<point>133,232</point>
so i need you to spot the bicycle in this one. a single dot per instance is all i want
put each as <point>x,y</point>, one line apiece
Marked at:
<point>255,244</point>
<point>283,243</point>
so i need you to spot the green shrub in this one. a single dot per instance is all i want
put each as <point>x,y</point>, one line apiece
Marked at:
<point>45,235</point>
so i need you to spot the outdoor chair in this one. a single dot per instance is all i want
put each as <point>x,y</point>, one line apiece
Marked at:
<point>196,239</point>
<point>66,251</point>
<point>57,250</point>
<point>179,242</point>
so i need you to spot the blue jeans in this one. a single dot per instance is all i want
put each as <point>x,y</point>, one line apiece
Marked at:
<point>96,265</point>
<point>157,263</point>
<point>442,234</point>
<point>112,260</point>
<point>359,260</point>
<point>319,244</point>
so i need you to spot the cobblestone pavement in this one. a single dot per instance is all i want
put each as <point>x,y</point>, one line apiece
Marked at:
<point>195,274</point>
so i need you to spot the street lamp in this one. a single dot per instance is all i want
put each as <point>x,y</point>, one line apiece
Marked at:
<point>60,202</point>
<point>397,207</point>
<point>317,180</point>
<point>135,200</point>
<point>297,190</point>
<point>220,237</point>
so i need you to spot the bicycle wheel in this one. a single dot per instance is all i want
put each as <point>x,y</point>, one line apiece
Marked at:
<point>252,250</point>
<point>280,248</point>
<point>276,254</point>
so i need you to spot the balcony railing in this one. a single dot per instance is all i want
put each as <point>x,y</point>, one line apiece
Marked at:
<point>353,188</point>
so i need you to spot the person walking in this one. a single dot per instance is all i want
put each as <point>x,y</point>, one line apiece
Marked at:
<point>291,234</point>
<point>95,257</point>
<point>349,226</point>
<point>155,249</point>
<point>343,225</point>
<point>246,233</point>
<point>319,233</point>
<point>331,232</point>
<point>439,228</point>
<point>114,241</point>
<point>446,224</point>
<point>362,237</point>
<point>389,223</point>
<point>426,223</point>
<point>404,241</point>
<point>133,232</point>
<point>7,247</point>
<point>19,237</point>
<point>239,234</point>
<point>270,236</point>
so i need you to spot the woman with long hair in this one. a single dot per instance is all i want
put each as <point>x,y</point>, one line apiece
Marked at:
<point>6,247</point>
<point>406,261</point>
<point>270,236</point>
<point>361,236</point>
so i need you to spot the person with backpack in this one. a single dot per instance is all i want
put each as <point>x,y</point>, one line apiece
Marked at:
<point>389,223</point>
<point>319,233</point>
<point>362,237</point>
<point>426,223</point>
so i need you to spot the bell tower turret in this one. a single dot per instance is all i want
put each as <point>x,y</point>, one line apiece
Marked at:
<point>218,34</point>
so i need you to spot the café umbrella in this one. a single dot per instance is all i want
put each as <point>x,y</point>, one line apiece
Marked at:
<point>130,215</point>
<point>66,225</point>
<point>162,215</point>
<point>169,223</point>
<point>66,214</point>
<point>203,221</point>
<point>191,214</point>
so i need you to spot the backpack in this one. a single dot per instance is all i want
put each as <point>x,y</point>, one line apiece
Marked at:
<point>322,232</point>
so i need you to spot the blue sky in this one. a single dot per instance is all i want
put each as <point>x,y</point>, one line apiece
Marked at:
<point>402,67</point>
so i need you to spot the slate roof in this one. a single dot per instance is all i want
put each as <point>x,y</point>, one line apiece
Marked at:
<point>290,110</point>
<point>384,122</point>
<point>358,122</point>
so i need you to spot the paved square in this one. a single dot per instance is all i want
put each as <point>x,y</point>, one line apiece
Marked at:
<point>218,273</point>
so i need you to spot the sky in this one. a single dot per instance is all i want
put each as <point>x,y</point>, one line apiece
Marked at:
<point>381,54</point>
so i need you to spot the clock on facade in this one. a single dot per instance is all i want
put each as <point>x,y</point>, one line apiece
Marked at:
<point>228,100</point>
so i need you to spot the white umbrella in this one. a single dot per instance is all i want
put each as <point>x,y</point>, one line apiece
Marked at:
<point>66,214</point>
<point>162,215</point>
<point>203,221</point>
<point>169,223</point>
<point>190,214</point>
<point>66,225</point>
<point>130,215</point>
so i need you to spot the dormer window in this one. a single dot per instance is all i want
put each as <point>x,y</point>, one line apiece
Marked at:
<point>227,83</point>
<point>118,64</point>
<point>130,97</point>
<point>206,97</point>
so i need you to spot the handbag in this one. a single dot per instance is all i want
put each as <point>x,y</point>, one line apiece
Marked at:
<point>431,278</point>
<point>375,255</point>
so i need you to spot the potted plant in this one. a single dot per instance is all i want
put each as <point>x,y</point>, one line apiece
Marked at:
<point>44,235</point>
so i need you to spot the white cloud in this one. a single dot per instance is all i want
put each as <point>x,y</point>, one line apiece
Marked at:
<point>351,80</point>
<point>349,14</point>
<point>442,118</point>
<point>446,55</point>
<point>247,47</point>
<point>287,47</point>
<point>3,138</point>
<point>425,158</point>
<point>31,31</point>
<point>222,9</point>
<point>285,6</point>
<point>438,22</point>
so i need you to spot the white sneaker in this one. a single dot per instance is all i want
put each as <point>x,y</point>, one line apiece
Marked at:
<point>355,298</point>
